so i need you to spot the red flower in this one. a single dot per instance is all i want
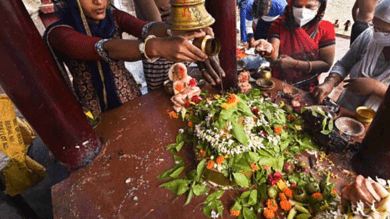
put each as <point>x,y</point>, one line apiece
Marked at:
<point>187,104</point>
<point>264,133</point>
<point>255,112</point>
<point>193,82</point>
<point>274,178</point>
<point>285,126</point>
<point>195,99</point>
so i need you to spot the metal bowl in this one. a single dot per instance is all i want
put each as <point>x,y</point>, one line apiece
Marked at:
<point>365,114</point>
<point>349,126</point>
<point>168,87</point>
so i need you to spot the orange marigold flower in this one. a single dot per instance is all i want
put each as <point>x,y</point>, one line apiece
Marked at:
<point>282,196</point>
<point>173,114</point>
<point>272,205</point>
<point>231,99</point>
<point>288,192</point>
<point>278,130</point>
<point>254,167</point>
<point>191,112</point>
<point>333,192</point>
<point>202,152</point>
<point>179,87</point>
<point>268,213</point>
<point>190,124</point>
<point>285,205</point>
<point>220,159</point>
<point>235,212</point>
<point>293,185</point>
<point>210,164</point>
<point>317,195</point>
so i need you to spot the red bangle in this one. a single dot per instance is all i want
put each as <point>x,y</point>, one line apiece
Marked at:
<point>272,52</point>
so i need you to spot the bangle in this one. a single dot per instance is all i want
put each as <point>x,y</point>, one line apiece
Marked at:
<point>101,51</point>
<point>144,45</point>
<point>272,52</point>
<point>145,30</point>
<point>310,67</point>
<point>296,65</point>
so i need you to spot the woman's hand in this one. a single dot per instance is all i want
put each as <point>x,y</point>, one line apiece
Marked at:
<point>263,47</point>
<point>361,86</point>
<point>285,61</point>
<point>176,48</point>
<point>211,70</point>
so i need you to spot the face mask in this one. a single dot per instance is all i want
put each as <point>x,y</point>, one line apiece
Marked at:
<point>381,38</point>
<point>303,15</point>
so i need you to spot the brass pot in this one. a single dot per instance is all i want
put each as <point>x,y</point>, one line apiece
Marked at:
<point>365,114</point>
<point>189,15</point>
<point>209,45</point>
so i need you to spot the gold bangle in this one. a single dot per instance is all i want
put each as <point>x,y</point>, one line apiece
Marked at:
<point>146,56</point>
<point>310,67</point>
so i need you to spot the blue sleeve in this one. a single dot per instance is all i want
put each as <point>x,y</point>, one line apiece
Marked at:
<point>277,8</point>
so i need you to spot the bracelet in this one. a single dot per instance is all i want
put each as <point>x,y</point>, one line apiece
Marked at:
<point>144,45</point>
<point>296,65</point>
<point>272,52</point>
<point>310,67</point>
<point>101,51</point>
<point>145,30</point>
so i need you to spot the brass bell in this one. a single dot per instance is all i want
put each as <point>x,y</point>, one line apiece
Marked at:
<point>189,15</point>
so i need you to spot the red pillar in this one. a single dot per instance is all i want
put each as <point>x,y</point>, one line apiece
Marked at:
<point>224,12</point>
<point>374,158</point>
<point>32,80</point>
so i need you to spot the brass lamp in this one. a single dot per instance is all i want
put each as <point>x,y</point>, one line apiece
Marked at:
<point>189,15</point>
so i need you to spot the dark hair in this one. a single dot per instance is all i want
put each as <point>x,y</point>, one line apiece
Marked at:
<point>260,8</point>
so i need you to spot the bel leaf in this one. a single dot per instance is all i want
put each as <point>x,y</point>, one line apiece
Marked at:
<point>237,206</point>
<point>189,197</point>
<point>178,186</point>
<point>239,133</point>
<point>241,179</point>
<point>199,189</point>
<point>248,213</point>
<point>176,173</point>
<point>200,169</point>
<point>214,196</point>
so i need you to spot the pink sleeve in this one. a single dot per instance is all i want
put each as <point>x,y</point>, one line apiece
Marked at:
<point>129,23</point>
<point>74,44</point>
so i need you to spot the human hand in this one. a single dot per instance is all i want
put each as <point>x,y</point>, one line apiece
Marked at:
<point>165,12</point>
<point>211,70</point>
<point>285,61</point>
<point>361,86</point>
<point>178,48</point>
<point>322,91</point>
<point>365,190</point>
<point>250,42</point>
<point>263,47</point>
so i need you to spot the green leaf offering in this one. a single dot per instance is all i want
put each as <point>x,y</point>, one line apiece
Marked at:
<point>241,179</point>
<point>177,186</point>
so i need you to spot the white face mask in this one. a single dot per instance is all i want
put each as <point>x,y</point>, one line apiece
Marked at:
<point>303,15</point>
<point>381,38</point>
